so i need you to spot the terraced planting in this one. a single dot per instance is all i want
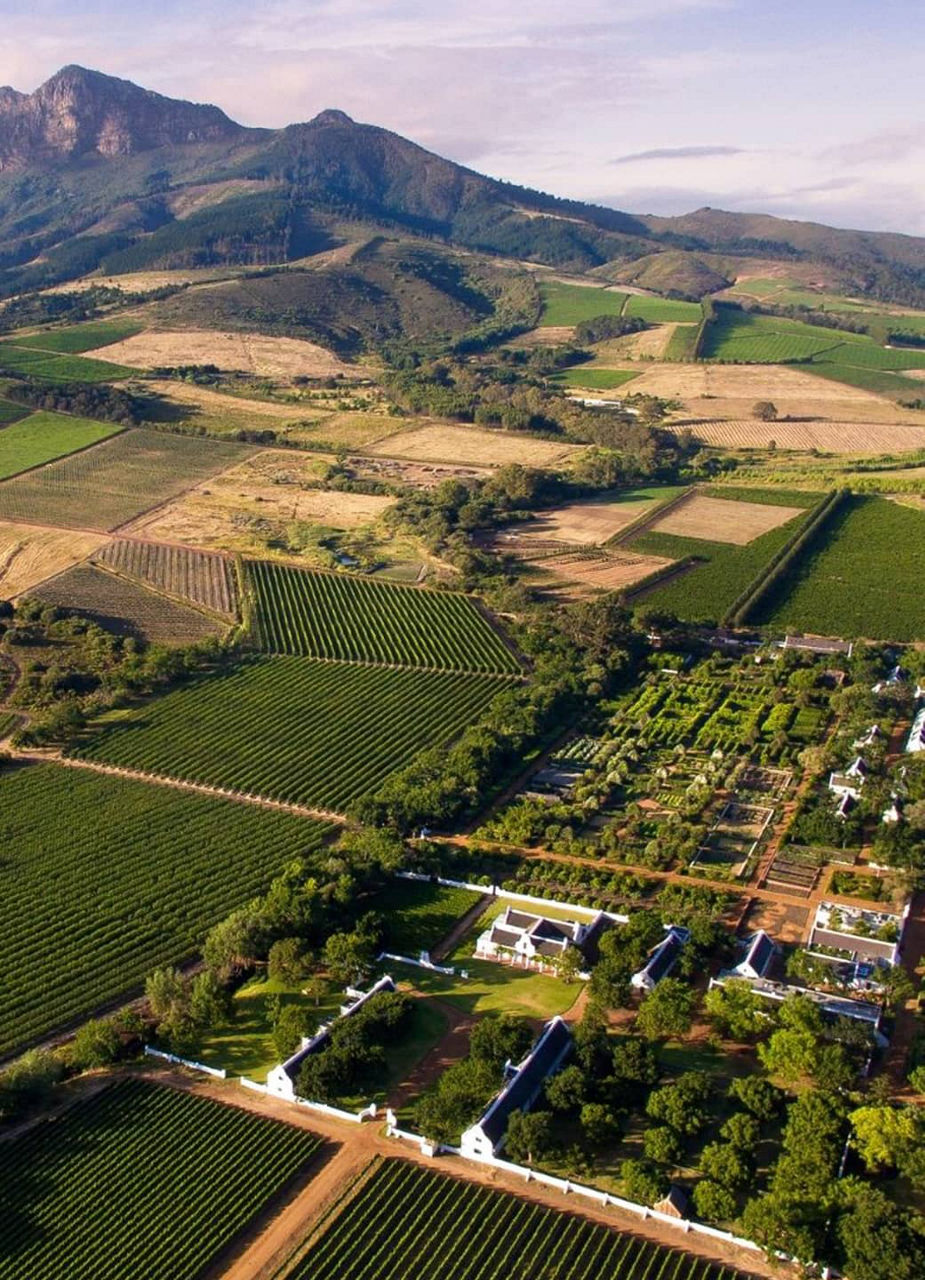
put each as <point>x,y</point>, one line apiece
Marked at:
<point>125,608</point>
<point>404,1219</point>
<point>862,577</point>
<point>140,1180</point>
<point>41,437</point>
<point>708,589</point>
<point>89,906</point>
<point>569,304</point>
<point>756,339</point>
<point>330,615</point>
<point>104,487</point>
<point>200,577</point>
<point>318,734</point>
<point>54,367</point>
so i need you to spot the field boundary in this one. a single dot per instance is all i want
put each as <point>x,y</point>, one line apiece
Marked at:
<point>143,585</point>
<point>84,448</point>
<point>647,518</point>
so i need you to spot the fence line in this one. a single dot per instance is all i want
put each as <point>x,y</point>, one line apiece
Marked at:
<point>355,1117</point>
<point>418,964</point>
<point>219,1072</point>
<point>498,891</point>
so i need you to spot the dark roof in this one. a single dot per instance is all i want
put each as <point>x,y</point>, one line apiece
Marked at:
<point>542,1059</point>
<point>664,956</point>
<point>550,929</point>
<point>544,948</point>
<point>520,919</point>
<point>504,937</point>
<point>760,952</point>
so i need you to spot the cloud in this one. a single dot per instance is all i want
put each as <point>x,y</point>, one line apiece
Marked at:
<point>677,153</point>
<point>888,146</point>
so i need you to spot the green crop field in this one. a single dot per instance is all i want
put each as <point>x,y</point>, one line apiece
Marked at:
<point>663,310</point>
<point>756,339</point>
<point>90,904</point>
<point>418,915</point>
<point>80,337</point>
<point>53,367</point>
<point>404,1220</point>
<point>862,578</point>
<point>880,381</point>
<point>140,1180</point>
<point>10,412</point>
<point>314,733</point>
<point>593,377</point>
<point>706,591</point>
<point>568,304</point>
<point>43,436</point>
<point>104,487</point>
<point>331,615</point>
<point>682,342</point>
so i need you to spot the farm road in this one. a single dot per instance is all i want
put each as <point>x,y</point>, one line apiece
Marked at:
<point>263,1254</point>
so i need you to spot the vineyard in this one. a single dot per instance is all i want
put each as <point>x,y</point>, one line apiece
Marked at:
<point>313,733</point>
<point>756,339</point>
<point>405,1220</point>
<point>54,367</point>
<point>568,304</point>
<point>199,577</point>
<point>103,487</point>
<point>862,577</point>
<point>10,412</point>
<point>663,310</point>
<point>92,903</point>
<point>124,607</point>
<point>44,436</point>
<point>140,1180</point>
<point>78,338</point>
<point>328,615</point>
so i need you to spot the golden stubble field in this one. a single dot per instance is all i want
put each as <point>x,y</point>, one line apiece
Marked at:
<point>723,519</point>
<point>715,391</point>
<point>230,511</point>
<point>30,554</point>
<point>470,446</point>
<point>582,522</point>
<point>249,352</point>
<point>827,437</point>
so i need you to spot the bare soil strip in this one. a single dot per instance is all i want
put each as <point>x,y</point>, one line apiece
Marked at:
<point>722,520</point>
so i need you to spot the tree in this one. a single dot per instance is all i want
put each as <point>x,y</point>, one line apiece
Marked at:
<point>529,1136</point>
<point>499,1039</point>
<point>741,1131</point>
<point>347,956</point>
<point>635,1062</point>
<point>714,1202</point>
<point>238,942</point>
<point>642,1181</point>
<point>758,1096</point>
<point>97,1044</point>
<point>292,1022</point>
<point>598,1123</point>
<point>681,1104</point>
<point>164,990</point>
<point>874,1237</point>
<point>287,961</point>
<point>210,1002</point>
<point>884,1135</point>
<point>779,1225</point>
<point>569,965</point>
<point>789,1055</point>
<point>662,1144</point>
<point>764,411</point>
<point>724,1163</point>
<point>736,1010</point>
<point>565,1091</point>
<point>667,1011</point>
<point>898,987</point>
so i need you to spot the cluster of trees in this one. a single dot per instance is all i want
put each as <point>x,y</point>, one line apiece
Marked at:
<point>85,399</point>
<point>576,654</point>
<point>185,1006</point>
<point>668,1010</point>
<point>45,308</point>
<point>353,1058</point>
<point>91,669</point>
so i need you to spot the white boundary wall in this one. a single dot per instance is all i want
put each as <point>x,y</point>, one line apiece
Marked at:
<point>495,891</point>
<point>602,1198</point>
<point>219,1072</point>
<point>355,1117</point>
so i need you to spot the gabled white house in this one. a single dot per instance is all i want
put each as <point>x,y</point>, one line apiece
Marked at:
<point>532,940</point>
<point>284,1077</point>
<point>758,954</point>
<point>869,738</point>
<point>485,1138</point>
<point>916,741</point>
<point>662,959</point>
<point>849,781</point>
<point>896,676</point>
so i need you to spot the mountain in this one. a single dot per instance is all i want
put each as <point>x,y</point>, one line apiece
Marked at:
<point>99,174</point>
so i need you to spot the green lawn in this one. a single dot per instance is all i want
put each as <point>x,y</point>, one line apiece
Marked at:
<point>595,377</point>
<point>568,304</point>
<point>663,310</point>
<point>245,1046</point>
<point>45,436</point>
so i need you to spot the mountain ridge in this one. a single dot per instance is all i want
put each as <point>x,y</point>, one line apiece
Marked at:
<point>93,171</point>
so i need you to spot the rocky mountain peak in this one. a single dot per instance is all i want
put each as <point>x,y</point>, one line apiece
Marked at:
<point>79,112</point>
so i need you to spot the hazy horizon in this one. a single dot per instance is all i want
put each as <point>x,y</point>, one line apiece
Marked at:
<point>654,106</point>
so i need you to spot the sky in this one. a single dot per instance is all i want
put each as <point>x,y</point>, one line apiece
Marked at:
<point>806,109</point>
